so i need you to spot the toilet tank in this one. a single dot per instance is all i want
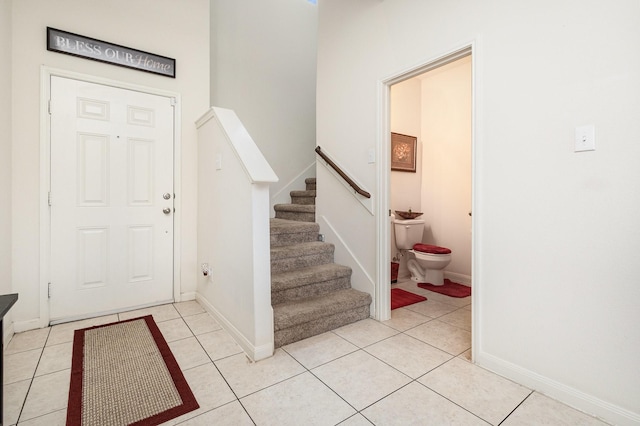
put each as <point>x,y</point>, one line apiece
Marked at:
<point>408,232</point>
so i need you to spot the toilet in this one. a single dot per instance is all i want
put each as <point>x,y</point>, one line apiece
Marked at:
<point>429,261</point>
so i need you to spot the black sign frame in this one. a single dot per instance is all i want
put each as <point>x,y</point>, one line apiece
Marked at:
<point>97,50</point>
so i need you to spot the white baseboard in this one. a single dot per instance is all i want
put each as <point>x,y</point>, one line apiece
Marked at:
<point>458,278</point>
<point>184,297</point>
<point>577,399</point>
<point>255,353</point>
<point>7,334</point>
<point>20,326</point>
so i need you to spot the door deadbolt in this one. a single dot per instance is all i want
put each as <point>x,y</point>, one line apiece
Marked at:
<point>166,195</point>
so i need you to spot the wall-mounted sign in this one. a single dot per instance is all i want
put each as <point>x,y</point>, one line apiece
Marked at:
<point>97,50</point>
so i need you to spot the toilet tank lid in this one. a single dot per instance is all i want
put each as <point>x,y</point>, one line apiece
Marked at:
<point>409,221</point>
<point>428,248</point>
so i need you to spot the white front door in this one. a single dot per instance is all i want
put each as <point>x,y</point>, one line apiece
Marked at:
<point>111,199</point>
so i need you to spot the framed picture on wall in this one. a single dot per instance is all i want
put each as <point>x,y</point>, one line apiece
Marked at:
<point>403,152</point>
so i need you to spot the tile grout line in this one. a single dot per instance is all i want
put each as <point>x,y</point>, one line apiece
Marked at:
<point>24,402</point>
<point>517,406</point>
<point>401,372</point>
<point>363,348</point>
<point>416,380</point>
<point>455,403</point>
<point>326,385</point>
<point>221,375</point>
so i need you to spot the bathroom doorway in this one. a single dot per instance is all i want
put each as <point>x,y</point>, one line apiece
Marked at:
<point>434,103</point>
<point>435,107</point>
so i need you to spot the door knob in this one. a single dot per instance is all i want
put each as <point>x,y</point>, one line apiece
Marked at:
<point>166,210</point>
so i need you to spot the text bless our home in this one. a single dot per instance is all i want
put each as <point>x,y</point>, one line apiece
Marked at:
<point>74,44</point>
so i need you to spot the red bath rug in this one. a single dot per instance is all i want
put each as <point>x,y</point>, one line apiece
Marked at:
<point>449,288</point>
<point>400,298</point>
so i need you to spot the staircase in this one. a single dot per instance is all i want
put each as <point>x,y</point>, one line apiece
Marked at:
<point>309,293</point>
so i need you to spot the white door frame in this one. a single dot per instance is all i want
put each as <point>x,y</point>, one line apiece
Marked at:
<point>383,287</point>
<point>45,176</point>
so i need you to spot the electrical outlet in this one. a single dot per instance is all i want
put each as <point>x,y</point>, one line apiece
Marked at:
<point>206,269</point>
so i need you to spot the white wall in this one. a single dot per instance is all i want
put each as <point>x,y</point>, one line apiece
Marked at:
<point>234,237</point>
<point>557,232</point>
<point>175,29</point>
<point>446,163</point>
<point>264,68</point>
<point>5,151</point>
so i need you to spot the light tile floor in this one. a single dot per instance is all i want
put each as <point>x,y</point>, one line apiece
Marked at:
<point>413,369</point>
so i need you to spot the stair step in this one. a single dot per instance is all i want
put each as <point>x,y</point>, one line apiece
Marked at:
<point>310,183</point>
<point>303,197</point>
<point>308,317</point>
<point>300,212</point>
<point>310,294</point>
<point>302,255</point>
<point>306,282</point>
<point>285,232</point>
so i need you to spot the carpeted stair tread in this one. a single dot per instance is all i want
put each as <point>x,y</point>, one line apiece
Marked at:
<point>285,226</point>
<point>302,255</point>
<point>284,232</point>
<point>303,197</point>
<point>294,313</point>
<point>301,208</point>
<point>310,184</point>
<point>309,275</point>
<point>319,326</point>
<point>309,193</point>
<point>302,249</point>
<point>307,282</point>
<point>300,212</point>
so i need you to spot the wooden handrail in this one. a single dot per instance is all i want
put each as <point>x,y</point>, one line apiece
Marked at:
<point>342,174</point>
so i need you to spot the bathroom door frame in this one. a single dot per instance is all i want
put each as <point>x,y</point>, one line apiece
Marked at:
<point>383,286</point>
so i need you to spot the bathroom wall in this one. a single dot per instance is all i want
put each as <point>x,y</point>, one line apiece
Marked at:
<point>446,163</point>
<point>405,117</point>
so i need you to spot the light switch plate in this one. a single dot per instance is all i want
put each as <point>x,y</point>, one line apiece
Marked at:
<point>371,155</point>
<point>585,138</point>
